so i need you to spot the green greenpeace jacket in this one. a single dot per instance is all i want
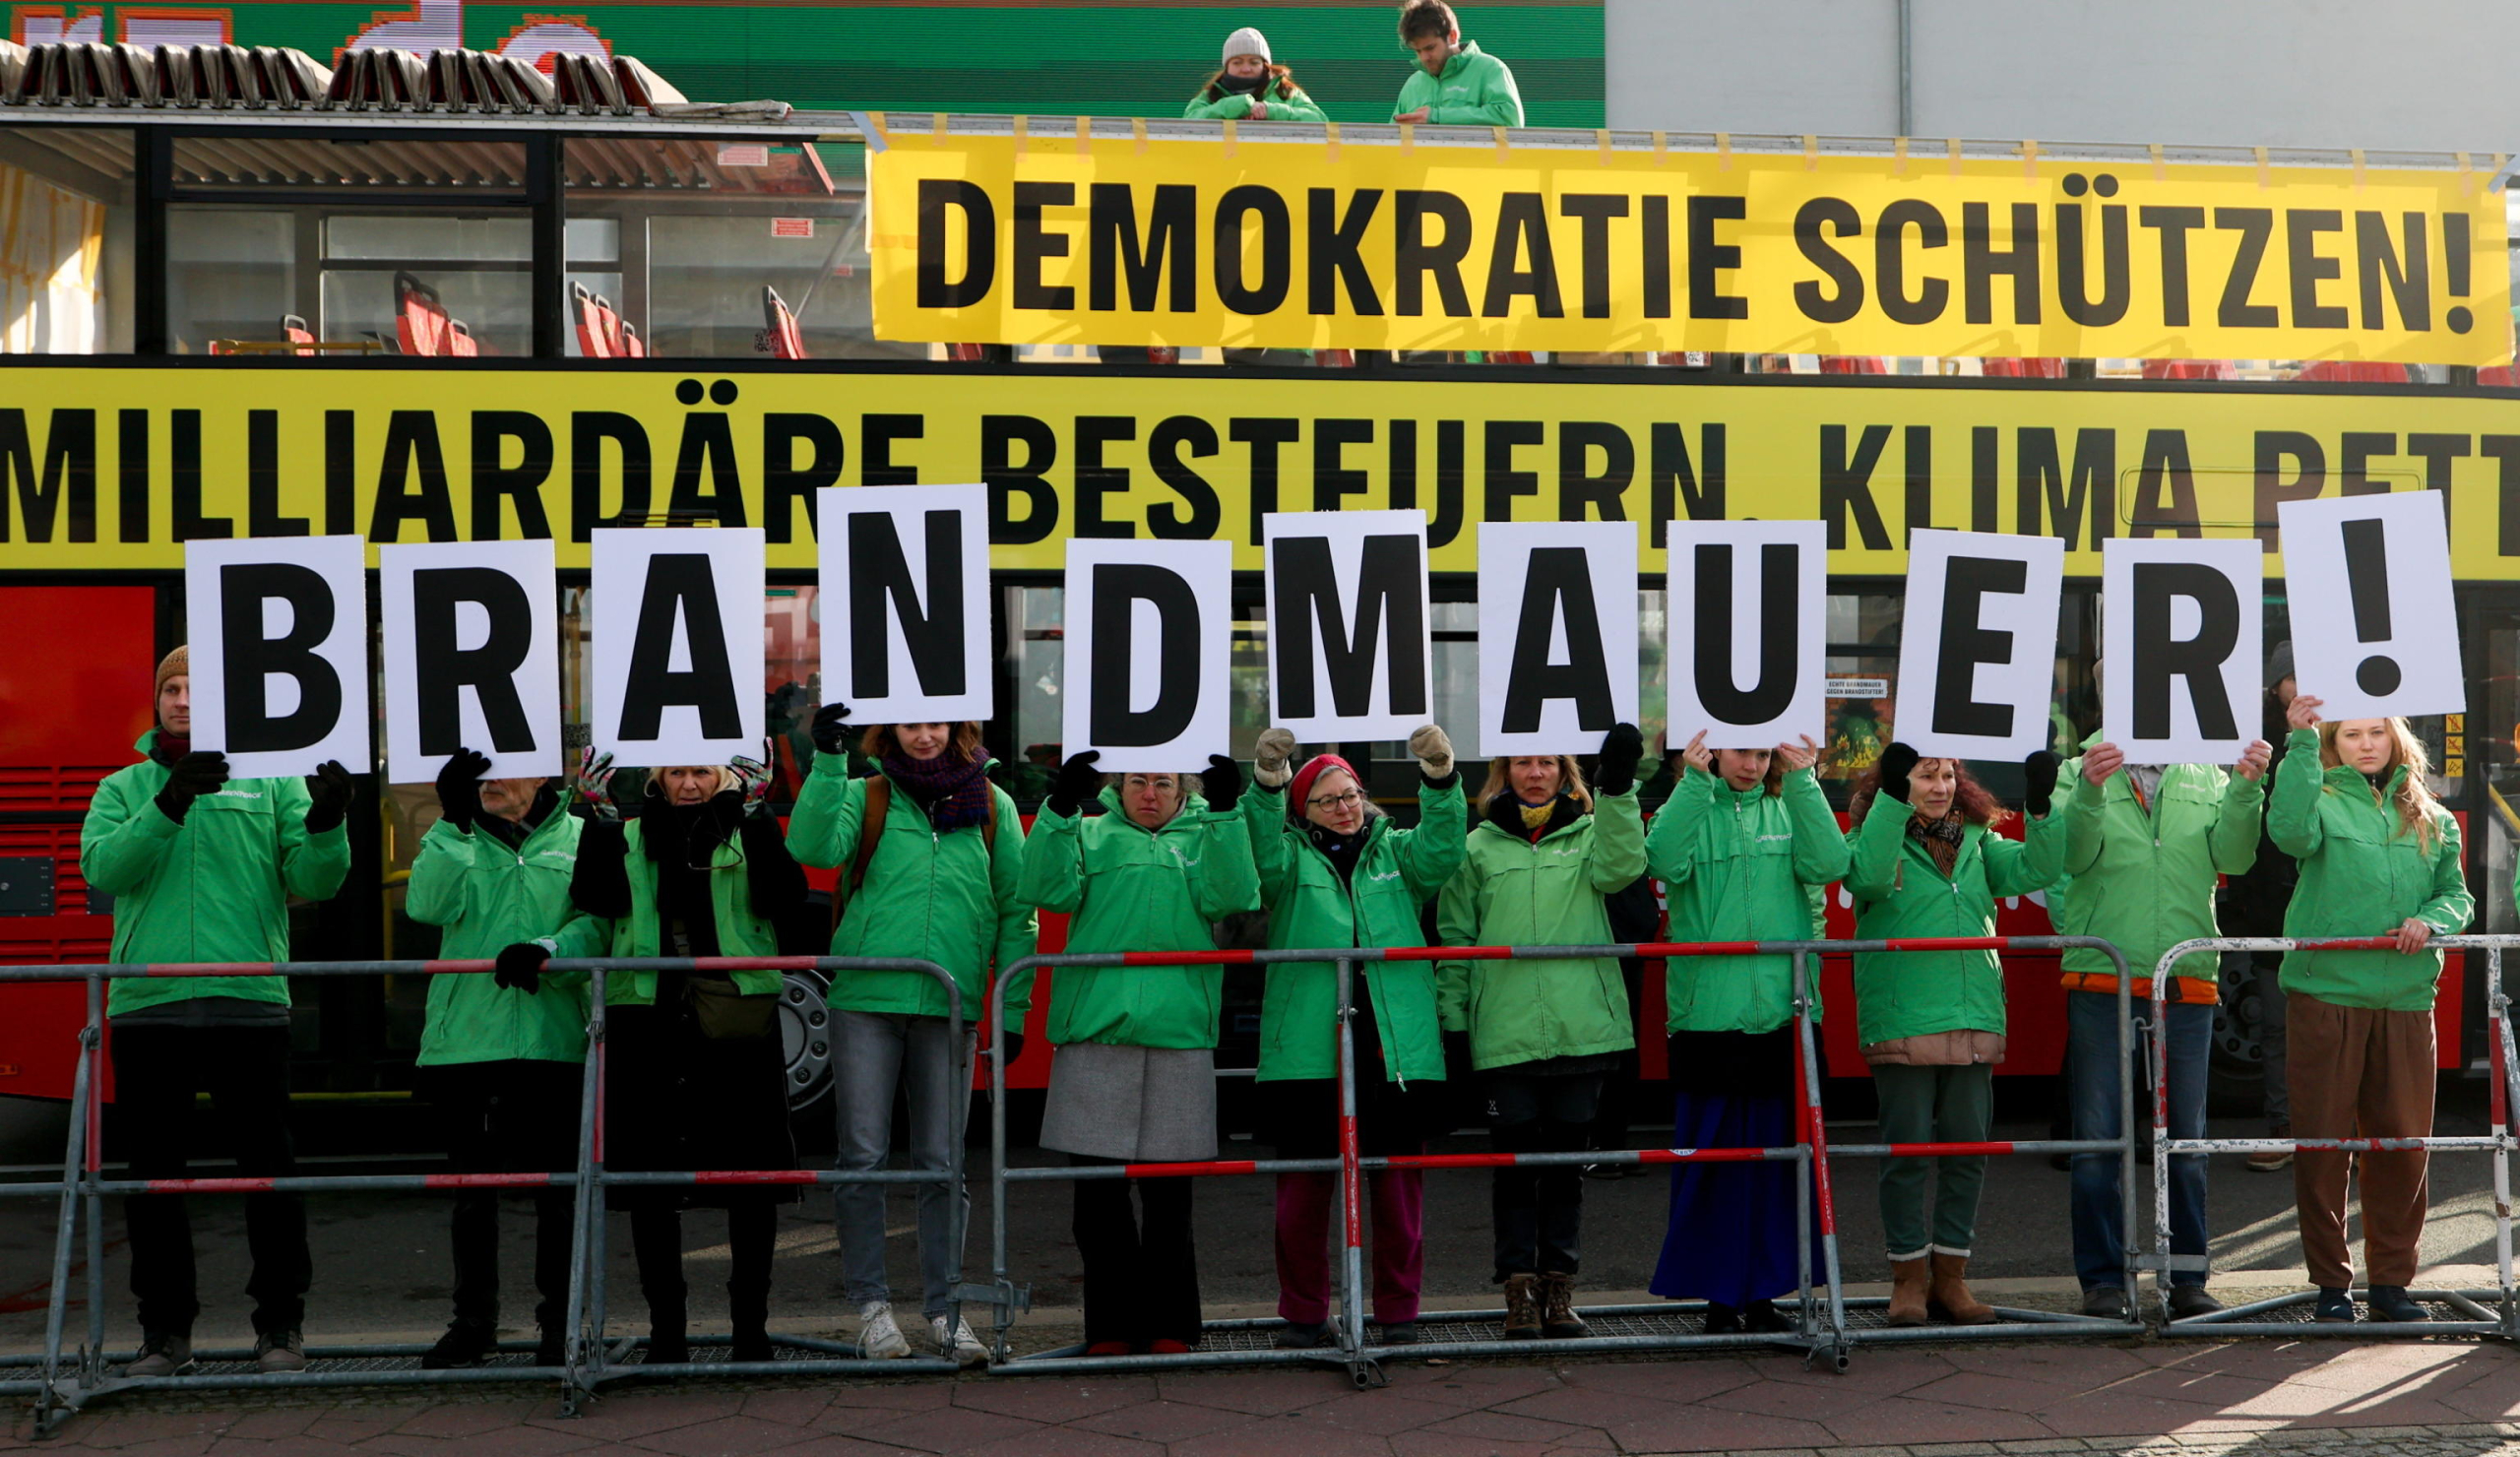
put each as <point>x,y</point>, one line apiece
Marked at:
<point>740,931</point>
<point>489,897</point>
<point>2143,878</point>
<point>951,899</point>
<point>212,888</point>
<point>1476,90</point>
<point>1397,872</point>
<point>2361,874</point>
<point>1127,888</point>
<point>1283,105</point>
<point>1511,891</point>
<point>1900,893</point>
<point>1739,866</point>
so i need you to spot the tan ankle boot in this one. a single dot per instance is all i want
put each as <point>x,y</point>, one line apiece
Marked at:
<point>1909,1280</point>
<point>1557,1318</point>
<point>1949,1298</point>
<point>1522,1308</point>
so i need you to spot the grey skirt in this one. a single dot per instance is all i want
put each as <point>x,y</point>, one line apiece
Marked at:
<point>1137,1104</point>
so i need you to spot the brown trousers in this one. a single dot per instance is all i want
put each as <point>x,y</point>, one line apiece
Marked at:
<point>2359,1073</point>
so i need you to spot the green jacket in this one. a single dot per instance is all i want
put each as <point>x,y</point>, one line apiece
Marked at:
<point>1738,866</point>
<point>741,933</point>
<point>212,888</point>
<point>1899,893</point>
<point>950,899</point>
<point>1510,892</point>
<point>1397,872</point>
<point>2361,874</point>
<point>489,897</point>
<point>1476,90</point>
<point>2142,878</point>
<point>1126,888</point>
<point>1286,103</point>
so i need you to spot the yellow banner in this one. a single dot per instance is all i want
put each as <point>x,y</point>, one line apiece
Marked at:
<point>1304,243</point>
<point>114,467</point>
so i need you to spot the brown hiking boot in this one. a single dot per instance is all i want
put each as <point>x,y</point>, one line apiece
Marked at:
<point>1557,1318</point>
<point>1909,1281</point>
<point>1949,1298</point>
<point>1522,1308</point>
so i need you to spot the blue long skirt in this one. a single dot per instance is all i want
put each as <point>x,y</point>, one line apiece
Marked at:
<point>1731,1232</point>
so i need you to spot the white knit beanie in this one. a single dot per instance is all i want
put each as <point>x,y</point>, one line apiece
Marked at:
<point>1246,42</point>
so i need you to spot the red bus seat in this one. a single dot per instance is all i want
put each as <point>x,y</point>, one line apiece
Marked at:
<point>2018,368</point>
<point>2190,369</point>
<point>1853,364</point>
<point>2353,372</point>
<point>595,340</point>
<point>632,346</point>
<point>786,341</point>
<point>419,321</point>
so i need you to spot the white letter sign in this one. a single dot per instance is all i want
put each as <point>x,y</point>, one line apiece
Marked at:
<point>1149,636</point>
<point>2179,630</point>
<point>1347,647</point>
<point>1978,644</point>
<point>279,652</point>
<point>1556,634</point>
<point>677,643</point>
<point>471,639</point>
<point>905,599</point>
<point>1748,654</point>
<point>2374,632</point>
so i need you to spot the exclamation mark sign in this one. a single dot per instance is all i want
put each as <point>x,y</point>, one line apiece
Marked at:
<point>2454,238</point>
<point>2366,576</point>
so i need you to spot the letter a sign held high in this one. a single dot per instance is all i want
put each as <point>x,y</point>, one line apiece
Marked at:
<point>1748,654</point>
<point>278,652</point>
<point>1977,649</point>
<point>1348,654</point>
<point>905,599</point>
<point>677,643</point>
<point>1556,634</point>
<point>2178,648</point>
<point>1149,636</point>
<point>471,638</point>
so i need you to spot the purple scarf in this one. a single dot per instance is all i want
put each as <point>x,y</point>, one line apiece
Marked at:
<point>956,796</point>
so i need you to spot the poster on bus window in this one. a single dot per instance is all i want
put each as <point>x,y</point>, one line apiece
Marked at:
<point>1148,678</point>
<point>904,603</point>
<point>677,628</point>
<point>1978,644</point>
<point>1558,626</point>
<point>278,659</point>
<point>1748,655</point>
<point>2180,652</point>
<point>1349,656</point>
<point>470,633</point>
<point>2375,633</point>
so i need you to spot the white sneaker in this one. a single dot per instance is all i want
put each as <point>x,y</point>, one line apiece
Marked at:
<point>879,1336</point>
<point>960,1344</point>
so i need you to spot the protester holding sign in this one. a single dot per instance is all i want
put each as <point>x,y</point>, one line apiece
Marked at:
<point>2143,846</point>
<point>1134,1079</point>
<point>929,853</point>
<point>201,868</point>
<point>695,1078</point>
<point>1456,84</point>
<point>1336,871</point>
<point>1926,862</point>
<point>1251,87</point>
<point>501,1056</point>
<point>2378,856</point>
<point>1744,839</point>
<point>1543,1034</point>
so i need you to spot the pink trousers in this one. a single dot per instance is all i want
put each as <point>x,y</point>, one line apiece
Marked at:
<point>1307,1209</point>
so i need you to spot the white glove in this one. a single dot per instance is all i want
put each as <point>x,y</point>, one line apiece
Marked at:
<point>1271,758</point>
<point>1434,751</point>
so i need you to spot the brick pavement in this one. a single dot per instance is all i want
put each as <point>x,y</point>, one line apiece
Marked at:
<point>2281,1398</point>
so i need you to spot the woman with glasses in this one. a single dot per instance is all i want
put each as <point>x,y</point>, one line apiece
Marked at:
<point>1134,1077</point>
<point>1336,871</point>
<point>1545,853</point>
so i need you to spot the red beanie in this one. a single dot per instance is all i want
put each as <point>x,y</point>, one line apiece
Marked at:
<point>1314,769</point>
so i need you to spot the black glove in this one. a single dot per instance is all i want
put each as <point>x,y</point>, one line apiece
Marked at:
<point>1621,748</point>
<point>328,795</point>
<point>1078,781</point>
<point>1222,784</point>
<point>2039,772</point>
<point>1896,763</point>
<point>201,772</point>
<point>830,729</point>
<point>1013,1042</point>
<point>459,788</point>
<point>1457,1059</point>
<point>520,967</point>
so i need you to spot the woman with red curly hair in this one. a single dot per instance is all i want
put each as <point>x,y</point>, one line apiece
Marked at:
<point>1925,861</point>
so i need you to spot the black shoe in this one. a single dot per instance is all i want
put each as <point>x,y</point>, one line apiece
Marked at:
<point>2107,1302</point>
<point>1399,1333</point>
<point>751,1344</point>
<point>667,1348</point>
<point>1723,1320</point>
<point>466,1344</point>
<point>162,1354</point>
<point>2391,1303</point>
<point>2188,1302</point>
<point>2335,1305</point>
<point>552,1349</point>
<point>1765,1318</point>
<point>1300,1337</point>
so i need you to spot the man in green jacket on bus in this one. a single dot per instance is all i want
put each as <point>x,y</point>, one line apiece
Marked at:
<point>1456,84</point>
<point>202,867</point>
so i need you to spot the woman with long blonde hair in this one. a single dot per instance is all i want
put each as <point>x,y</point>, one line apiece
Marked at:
<point>2379,857</point>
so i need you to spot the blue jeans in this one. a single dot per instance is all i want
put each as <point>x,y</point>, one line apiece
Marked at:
<point>2094,1066</point>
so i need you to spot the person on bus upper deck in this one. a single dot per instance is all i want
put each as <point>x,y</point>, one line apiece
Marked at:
<point>202,867</point>
<point>1744,840</point>
<point>1250,86</point>
<point>1926,862</point>
<point>1134,1077</point>
<point>2144,843</point>
<point>2254,905</point>
<point>501,1056</point>
<point>694,1075</point>
<point>1336,871</point>
<point>1541,1034</point>
<point>2379,857</point>
<point>929,854</point>
<point>1456,84</point>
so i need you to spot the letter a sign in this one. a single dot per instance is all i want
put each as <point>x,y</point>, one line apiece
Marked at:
<point>1556,634</point>
<point>677,643</point>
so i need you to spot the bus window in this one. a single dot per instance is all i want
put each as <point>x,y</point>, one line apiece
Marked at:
<point>433,288</point>
<point>69,240</point>
<point>231,279</point>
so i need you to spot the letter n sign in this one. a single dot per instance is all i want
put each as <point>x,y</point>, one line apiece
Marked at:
<point>904,603</point>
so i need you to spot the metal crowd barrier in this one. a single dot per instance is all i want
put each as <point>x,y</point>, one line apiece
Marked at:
<point>1827,1323</point>
<point>70,1377</point>
<point>2284,1315</point>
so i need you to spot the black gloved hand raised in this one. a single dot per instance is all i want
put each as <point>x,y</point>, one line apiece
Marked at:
<point>1222,784</point>
<point>1078,781</point>
<point>830,729</point>
<point>2039,775</point>
<point>201,772</point>
<point>1013,1042</point>
<point>328,795</point>
<point>459,788</point>
<point>1621,749</point>
<point>1897,762</point>
<point>520,967</point>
